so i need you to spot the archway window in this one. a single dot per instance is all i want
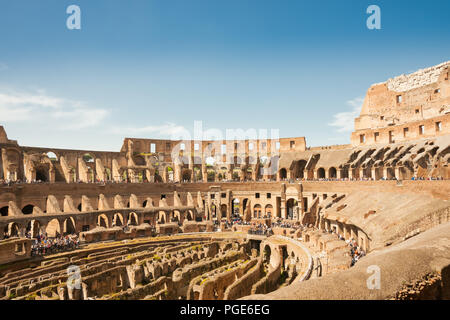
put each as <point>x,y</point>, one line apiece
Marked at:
<point>28,209</point>
<point>332,173</point>
<point>321,173</point>
<point>283,173</point>
<point>52,156</point>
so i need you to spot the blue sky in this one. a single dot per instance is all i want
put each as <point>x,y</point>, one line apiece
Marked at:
<point>151,68</point>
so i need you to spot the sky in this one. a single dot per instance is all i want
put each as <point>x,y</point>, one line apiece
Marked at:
<point>149,69</point>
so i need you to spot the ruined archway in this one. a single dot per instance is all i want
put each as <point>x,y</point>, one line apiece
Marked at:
<point>53,228</point>
<point>12,229</point>
<point>133,219</point>
<point>69,226</point>
<point>102,221</point>
<point>118,220</point>
<point>33,228</point>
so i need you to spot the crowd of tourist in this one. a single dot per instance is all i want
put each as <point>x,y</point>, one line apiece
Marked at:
<point>43,245</point>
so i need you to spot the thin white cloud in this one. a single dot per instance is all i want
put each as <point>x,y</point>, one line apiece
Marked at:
<point>167,130</point>
<point>3,66</point>
<point>43,109</point>
<point>344,121</point>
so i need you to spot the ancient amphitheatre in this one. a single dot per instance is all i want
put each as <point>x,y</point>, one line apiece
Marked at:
<point>155,226</point>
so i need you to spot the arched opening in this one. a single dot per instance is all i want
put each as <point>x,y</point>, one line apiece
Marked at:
<point>33,228</point>
<point>235,209</point>
<point>169,174</point>
<point>197,174</point>
<point>211,175</point>
<point>244,205</point>
<point>132,219</point>
<point>69,226</point>
<point>190,215</point>
<point>390,173</point>
<point>223,210</point>
<point>283,174</point>
<point>144,204</point>
<point>102,221</point>
<point>88,158</point>
<point>213,211</point>
<point>4,211</point>
<point>321,173</point>
<point>11,230</point>
<point>117,220</point>
<point>41,174</point>
<point>28,209</point>
<point>52,156</point>
<point>268,210</point>
<point>79,207</point>
<point>332,173</point>
<point>162,217</point>
<point>108,174</point>
<point>299,169</point>
<point>291,204</point>
<point>257,211</point>
<point>236,174</point>
<point>53,229</point>
<point>186,175</point>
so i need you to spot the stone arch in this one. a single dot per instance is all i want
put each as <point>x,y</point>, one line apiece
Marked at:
<point>12,229</point>
<point>118,220</point>
<point>176,216</point>
<point>290,206</point>
<point>190,215</point>
<point>102,221</point>
<point>332,173</point>
<point>28,209</point>
<point>52,156</point>
<point>69,226</point>
<point>133,219</point>
<point>33,227</point>
<point>321,173</point>
<point>53,228</point>
<point>299,168</point>
<point>162,217</point>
